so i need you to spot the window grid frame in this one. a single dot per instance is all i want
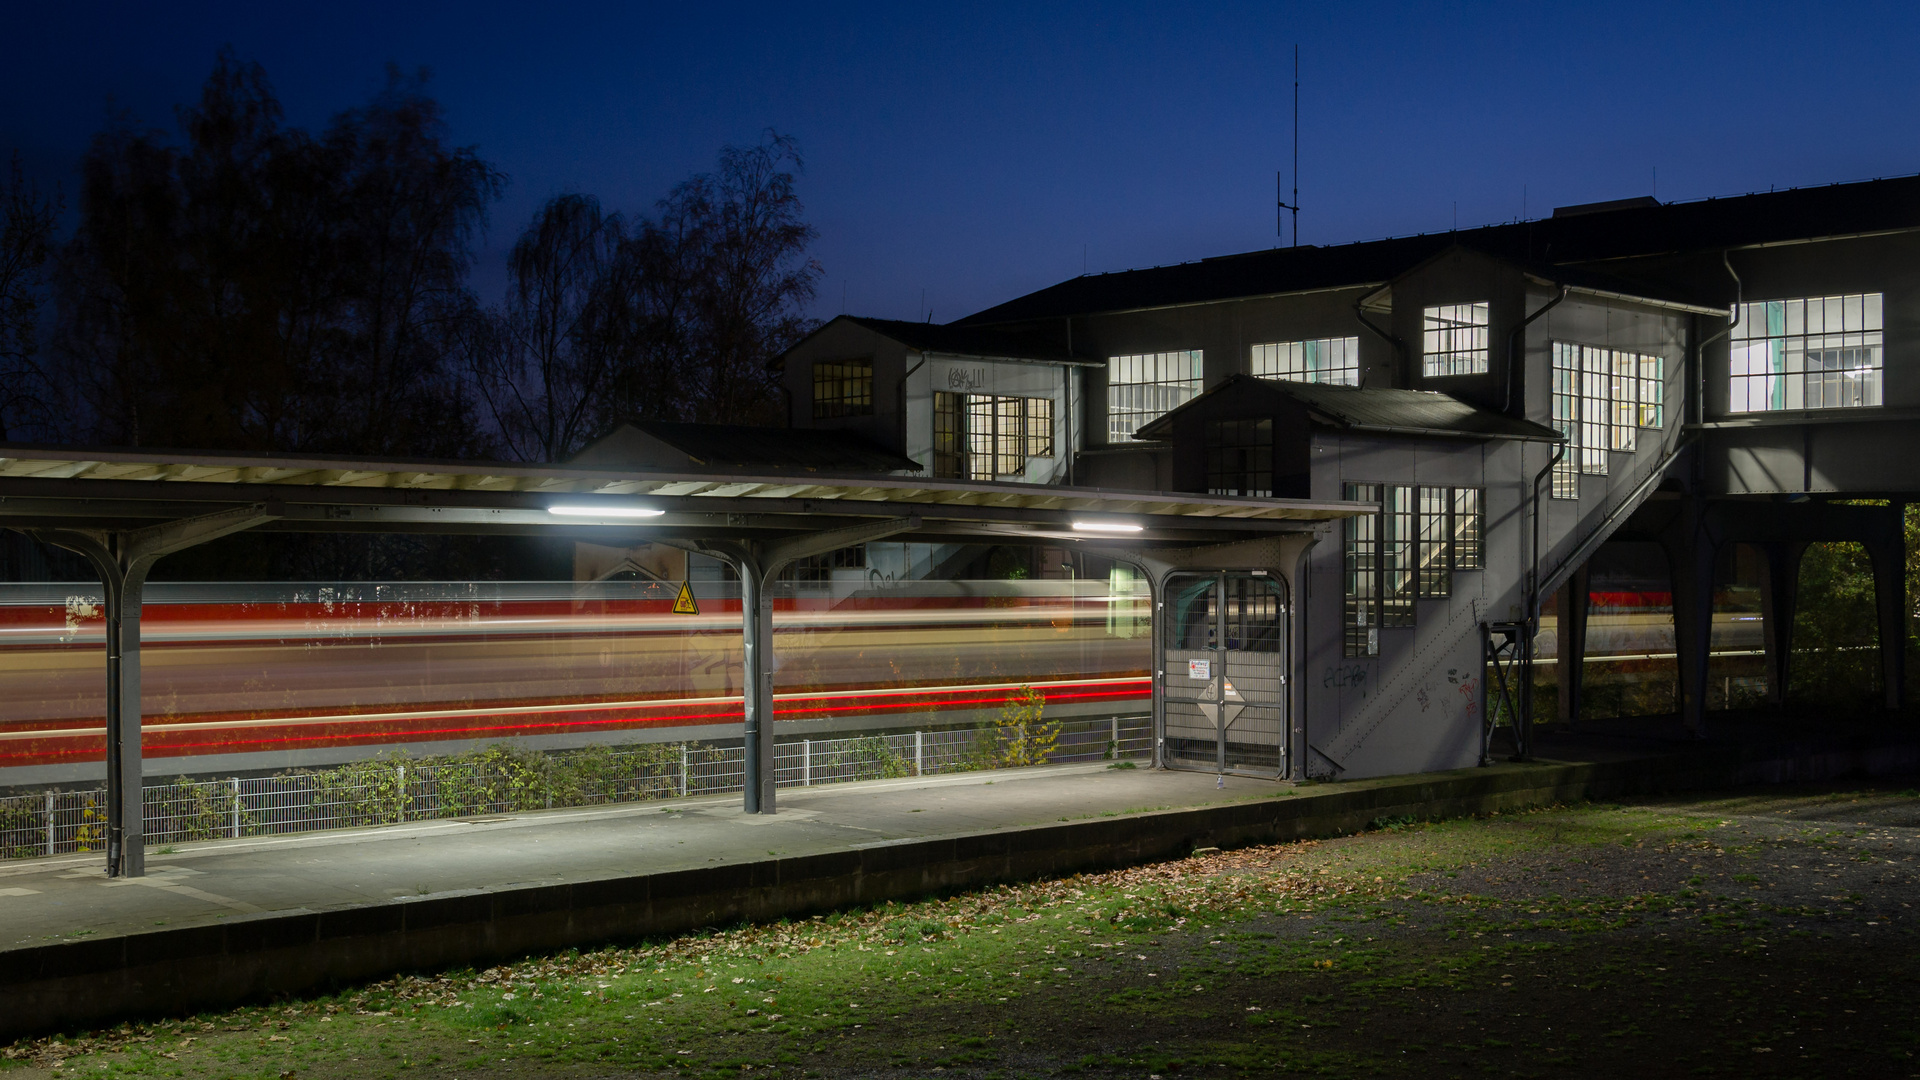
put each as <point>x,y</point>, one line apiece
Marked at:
<point>1589,407</point>
<point>1360,551</point>
<point>1453,339</point>
<point>1143,387</point>
<point>1788,336</point>
<point>842,388</point>
<point>1328,361</point>
<point>1246,469</point>
<point>1435,537</point>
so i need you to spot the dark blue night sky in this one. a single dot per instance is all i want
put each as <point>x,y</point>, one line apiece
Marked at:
<point>974,153</point>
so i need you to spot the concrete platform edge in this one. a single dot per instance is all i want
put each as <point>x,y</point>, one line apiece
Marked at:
<point>249,958</point>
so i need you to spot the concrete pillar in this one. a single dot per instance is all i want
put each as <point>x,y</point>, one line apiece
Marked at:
<point>1690,560</point>
<point>1571,660</point>
<point>1779,601</point>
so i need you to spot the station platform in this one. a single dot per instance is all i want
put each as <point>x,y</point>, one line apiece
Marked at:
<point>220,922</point>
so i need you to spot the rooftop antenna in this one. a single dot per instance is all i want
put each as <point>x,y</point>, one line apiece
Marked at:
<point>1279,179</point>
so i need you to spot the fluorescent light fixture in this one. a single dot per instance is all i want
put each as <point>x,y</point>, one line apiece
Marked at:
<point>1105,526</point>
<point>605,511</point>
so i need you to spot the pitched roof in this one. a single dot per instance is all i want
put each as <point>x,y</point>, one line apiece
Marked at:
<point>1637,228</point>
<point>736,446</point>
<point>1377,409</point>
<point>956,340</point>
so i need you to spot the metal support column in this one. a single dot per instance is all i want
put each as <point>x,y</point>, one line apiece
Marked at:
<point>1890,605</point>
<point>123,560</point>
<point>1691,561</point>
<point>1295,762</point>
<point>758,563</point>
<point>1571,632</point>
<point>756,660</point>
<point>1779,602</point>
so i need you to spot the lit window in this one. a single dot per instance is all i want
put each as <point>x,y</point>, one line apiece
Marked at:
<point>842,388</point>
<point>1454,340</point>
<point>1326,360</point>
<point>1410,546</point>
<point>1436,542</point>
<point>1397,544</point>
<point>1601,400</point>
<point>1469,525</point>
<point>1240,457</point>
<point>1145,387</point>
<point>984,436</point>
<point>1819,353</point>
<point>1653,391</point>
<point>1595,437</point>
<point>1360,541</point>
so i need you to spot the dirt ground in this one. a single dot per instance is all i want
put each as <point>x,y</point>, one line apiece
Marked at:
<point>1760,933</point>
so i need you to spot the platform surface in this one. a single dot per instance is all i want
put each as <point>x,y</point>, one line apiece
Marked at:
<point>60,898</point>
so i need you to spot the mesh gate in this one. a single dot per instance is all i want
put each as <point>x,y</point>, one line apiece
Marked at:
<point>1224,654</point>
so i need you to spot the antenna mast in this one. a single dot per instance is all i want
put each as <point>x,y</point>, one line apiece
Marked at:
<point>1279,178</point>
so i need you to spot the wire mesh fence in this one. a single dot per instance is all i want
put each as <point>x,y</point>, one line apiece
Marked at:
<point>501,779</point>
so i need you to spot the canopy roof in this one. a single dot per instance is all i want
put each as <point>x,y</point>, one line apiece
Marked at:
<point>73,487</point>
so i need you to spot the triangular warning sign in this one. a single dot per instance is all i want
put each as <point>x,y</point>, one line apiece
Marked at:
<point>684,604</point>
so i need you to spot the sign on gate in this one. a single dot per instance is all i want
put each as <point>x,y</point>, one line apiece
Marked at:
<point>1199,669</point>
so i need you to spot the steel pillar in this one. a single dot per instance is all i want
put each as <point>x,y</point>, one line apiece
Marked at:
<point>123,560</point>
<point>1692,550</point>
<point>1890,605</point>
<point>1779,602</point>
<point>758,563</point>
<point>1571,646</point>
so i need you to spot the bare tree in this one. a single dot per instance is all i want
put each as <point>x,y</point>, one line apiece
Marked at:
<point>750,281</point>
<point>28,397</point>
<point>556,348</point>
<point>673,318</point>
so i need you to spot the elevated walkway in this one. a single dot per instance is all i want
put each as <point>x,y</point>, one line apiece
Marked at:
<point>221,922</point>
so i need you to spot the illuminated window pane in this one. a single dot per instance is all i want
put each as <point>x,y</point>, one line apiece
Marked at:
<point>1144,387</point>
<point>1454,340</point>
<point>1325,360</point>
<point>1817,353</point>
<point>1436,542</point>
<point>1360,542</point>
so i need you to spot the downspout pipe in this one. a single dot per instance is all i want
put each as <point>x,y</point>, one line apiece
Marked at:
<point>1399,348</point>
<point>903,406</point>
<point>1700,353</point>
<point>1514,356</point>
<point>1532,622</point>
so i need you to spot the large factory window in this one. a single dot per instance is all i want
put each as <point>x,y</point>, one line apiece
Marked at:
<point>1326,360</point>
<point>1411,546</point>
<point>842,388</point>
<point>1601,399</point>
<point>1818,353</point>
<point>1454,340</point>
<point>1147,386</point>
<point>1360,544</point>
<point>984,436</point>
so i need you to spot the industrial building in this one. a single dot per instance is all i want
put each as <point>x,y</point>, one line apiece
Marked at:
<point>1507,401</point>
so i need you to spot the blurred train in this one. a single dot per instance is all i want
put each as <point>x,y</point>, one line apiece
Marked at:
<point>246,677</point>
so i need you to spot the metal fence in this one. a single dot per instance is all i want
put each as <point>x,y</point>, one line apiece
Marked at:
<point>388,791</point>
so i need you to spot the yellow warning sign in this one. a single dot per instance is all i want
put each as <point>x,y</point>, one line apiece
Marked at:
<point>684,604</point>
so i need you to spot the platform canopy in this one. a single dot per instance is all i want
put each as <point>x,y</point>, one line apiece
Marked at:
<point>116,489</point>
<point>125,509</point>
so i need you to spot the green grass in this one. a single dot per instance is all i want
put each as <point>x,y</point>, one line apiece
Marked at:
<point>1307,958</point>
